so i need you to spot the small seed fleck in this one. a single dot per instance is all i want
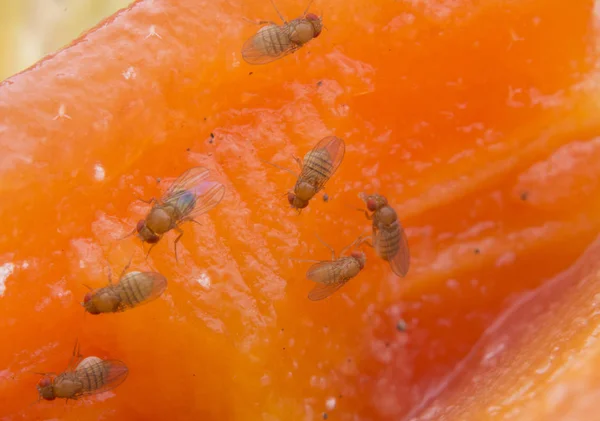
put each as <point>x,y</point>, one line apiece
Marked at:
<point>401,325</point>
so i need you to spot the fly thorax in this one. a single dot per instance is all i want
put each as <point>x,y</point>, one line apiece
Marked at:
<point>104,301</point>
<point>386,215</point>
<point>159,220</point>
<point>303,32</point>
<point>67,386</point>
<point>304,191</point>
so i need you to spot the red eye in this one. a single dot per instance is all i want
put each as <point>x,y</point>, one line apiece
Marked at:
<point>153,239</point>
<point>311,16</point>
<point>87,297</point>
<point>140,225</point>
<point>360,256</point>
<point>371,205</point>
<point>291,197</point>
<point>45,382</point>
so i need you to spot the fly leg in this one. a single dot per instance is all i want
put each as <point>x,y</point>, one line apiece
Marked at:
<point>125,268</point>
<point>367,241</point>
<point>328,246</point>
<point>109,275</point>
<point>369,217</point>
<point>298,161</point>
<point>278,12</point>
<point>193,220</point>
<point>281,168</point>
<point>129,234</point>
<point>307,7</point>
<point>152,201</point>
<point>177,240</point>
<point>150,249</point>
<point>260,22</point>
<point>306,260</point>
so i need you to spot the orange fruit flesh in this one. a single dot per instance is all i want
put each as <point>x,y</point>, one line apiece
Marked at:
<point>476,120</point>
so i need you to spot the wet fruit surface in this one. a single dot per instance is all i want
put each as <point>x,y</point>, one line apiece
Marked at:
<point>476,120</point>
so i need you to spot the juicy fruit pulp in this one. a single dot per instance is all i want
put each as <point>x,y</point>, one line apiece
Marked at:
<point>478,122</point>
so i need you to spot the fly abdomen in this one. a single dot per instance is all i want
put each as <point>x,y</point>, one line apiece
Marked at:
<point>91,372</point>
<point>390,241</point>
<point>318,164</point>
<point>274,39</point>
<point>133,291</point>
<point>140,287</point>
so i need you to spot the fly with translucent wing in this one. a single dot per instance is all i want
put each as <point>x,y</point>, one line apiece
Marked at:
<point>389,238</point>
<point>273,41</point>
<point>190,195</point>
<point>317,167</point>
<point>132,290</point>
<point>83,377</point>
<point>331,275</point>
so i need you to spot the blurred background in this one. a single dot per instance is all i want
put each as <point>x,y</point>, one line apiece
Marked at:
<point>30,29</point>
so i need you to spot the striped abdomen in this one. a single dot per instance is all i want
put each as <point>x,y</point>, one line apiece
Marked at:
<point>317,168</point>
<point>273,40</point>
<point>391,244</point>
<point>388,241</point>
<point>96,375</point>
<point>137,288</point>
<point>92,373</point>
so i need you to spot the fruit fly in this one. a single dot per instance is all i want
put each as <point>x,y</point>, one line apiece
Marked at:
<point>389,238</point>
<point>132,290</point>
<point>83,377</point>
<point>274,41</point>
<point>317,167</point>
<point>190,195</point>
<point>331,275</point>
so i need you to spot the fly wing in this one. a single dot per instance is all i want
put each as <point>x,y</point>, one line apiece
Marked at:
<point>401,260</point>
<point>136,288</point>
<point>328,276</point>
<point>208,195</point>
<point>335,148</point>
<point>76,358</point>
<point>193,193</point>
<point>186,181</point>
<point>101,376</point>
<point>270,43</point>
<point>322,291</point>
